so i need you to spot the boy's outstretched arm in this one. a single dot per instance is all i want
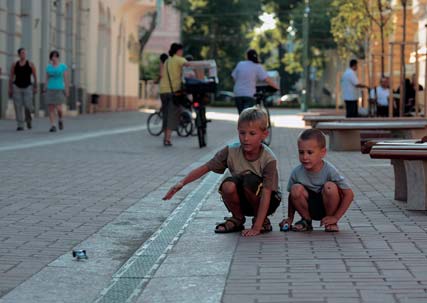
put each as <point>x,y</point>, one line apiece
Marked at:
<point>264,205</point>
<point>192,176</point>
<point>347,198</point>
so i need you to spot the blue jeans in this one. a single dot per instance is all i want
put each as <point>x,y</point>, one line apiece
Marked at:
<point>243,102</point>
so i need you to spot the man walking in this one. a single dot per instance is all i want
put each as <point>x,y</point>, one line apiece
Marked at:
<point>350,89</point>
<point>21,89</point>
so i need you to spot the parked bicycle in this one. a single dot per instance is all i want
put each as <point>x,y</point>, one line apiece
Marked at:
<point>263,92</point>
<point>200,90</point>
<point>185,125</point>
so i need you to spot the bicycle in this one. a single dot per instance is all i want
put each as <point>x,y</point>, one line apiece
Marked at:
<point>185,125</point>
<point>262,93</point>
<point>200,89</point>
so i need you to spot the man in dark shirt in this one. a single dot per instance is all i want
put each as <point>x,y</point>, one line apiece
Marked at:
<point>21,89</point>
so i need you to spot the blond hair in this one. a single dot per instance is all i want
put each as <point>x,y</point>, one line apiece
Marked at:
<point>254,115</point>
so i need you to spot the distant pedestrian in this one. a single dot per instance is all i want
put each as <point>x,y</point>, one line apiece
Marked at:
<point>170,84</point>
<point>350,89</point>
<point>317,191</point>
<point>380,96</point>
<point>245,75</point>
<point>251,184</point>
<point>57,89</point>
<point>21,89</point>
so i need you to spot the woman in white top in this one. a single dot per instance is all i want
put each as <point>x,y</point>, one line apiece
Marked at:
<point>245,75</point>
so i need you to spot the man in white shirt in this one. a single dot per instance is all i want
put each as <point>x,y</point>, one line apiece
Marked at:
<point>350,89</point>
<point>381,94</point>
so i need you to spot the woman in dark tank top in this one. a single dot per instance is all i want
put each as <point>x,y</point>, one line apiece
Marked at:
<point>22,90</point>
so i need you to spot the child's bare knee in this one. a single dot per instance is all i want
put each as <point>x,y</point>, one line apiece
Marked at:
<point>228,188</point>
<point>298,191</point>
<point>330,188</point>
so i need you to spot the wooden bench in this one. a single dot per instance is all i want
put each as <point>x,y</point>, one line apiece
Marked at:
<point>409,160</point>
<point>312,121</point>
<point>345,136</point>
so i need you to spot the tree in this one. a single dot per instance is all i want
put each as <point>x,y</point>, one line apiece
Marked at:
<point>286,40</point>
<point>219,30</point>
<point>379,14</point>
<point>148,25</point>
<point>274,44</point>
<point>350,27</point>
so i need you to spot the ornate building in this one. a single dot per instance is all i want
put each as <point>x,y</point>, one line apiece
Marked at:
<point>98,40</point>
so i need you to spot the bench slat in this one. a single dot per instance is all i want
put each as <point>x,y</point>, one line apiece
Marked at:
<point>371,125</point>
<point>403,154</point>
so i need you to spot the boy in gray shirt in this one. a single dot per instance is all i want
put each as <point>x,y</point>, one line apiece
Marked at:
<point>317,191</point>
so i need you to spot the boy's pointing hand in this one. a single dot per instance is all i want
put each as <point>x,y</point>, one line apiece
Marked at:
<point>173,190</point>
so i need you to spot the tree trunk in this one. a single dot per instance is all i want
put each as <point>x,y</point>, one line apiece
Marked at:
<point>382,25</point>
<point>402,62</point>
<point>144,37</point>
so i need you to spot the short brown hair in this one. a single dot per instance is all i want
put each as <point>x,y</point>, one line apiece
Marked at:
<point>314,134</point>
<point>254,114</point>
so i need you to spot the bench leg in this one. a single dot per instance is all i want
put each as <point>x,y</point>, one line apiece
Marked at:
<point>400,185</point>
<point>416,173</point>
<point>342,140</point>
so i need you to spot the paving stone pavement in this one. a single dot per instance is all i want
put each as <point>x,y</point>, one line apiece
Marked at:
<point>52,197</point>
<point>380,254</point>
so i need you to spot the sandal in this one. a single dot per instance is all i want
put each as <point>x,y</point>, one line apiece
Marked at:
<point>266,226</point>
<point>333,228</point>
<point>305,225</point>
<point>230,225</point>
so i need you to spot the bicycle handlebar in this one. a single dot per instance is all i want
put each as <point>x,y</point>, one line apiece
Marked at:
<point>265,89</point>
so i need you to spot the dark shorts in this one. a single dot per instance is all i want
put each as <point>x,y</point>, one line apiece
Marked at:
<point>254,184</point>
<point>315,205</point>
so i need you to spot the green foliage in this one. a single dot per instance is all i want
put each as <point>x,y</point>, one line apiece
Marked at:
<point>350,27</point>
<point>149,67</point>
<point>285,41</point>
<point>219,30</point>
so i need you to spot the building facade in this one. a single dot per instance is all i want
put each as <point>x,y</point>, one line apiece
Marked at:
<point>98,40</point>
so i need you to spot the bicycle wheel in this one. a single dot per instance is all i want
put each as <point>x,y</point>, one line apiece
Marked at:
<point>267,140</point>
<point>155,124</point>
<point>185,126</point>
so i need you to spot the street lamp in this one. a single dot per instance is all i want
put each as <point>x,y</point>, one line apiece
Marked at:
<point>305,29</point>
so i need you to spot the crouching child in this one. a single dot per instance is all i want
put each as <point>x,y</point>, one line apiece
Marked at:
<point>251,185</point>
<point>317,191</point>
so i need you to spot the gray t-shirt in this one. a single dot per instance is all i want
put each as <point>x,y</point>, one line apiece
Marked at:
<point>245,75</point>
<point>232,157</point>
<point>315,181</point>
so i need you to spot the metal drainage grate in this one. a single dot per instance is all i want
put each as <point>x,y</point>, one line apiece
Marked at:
<point>130,279</point>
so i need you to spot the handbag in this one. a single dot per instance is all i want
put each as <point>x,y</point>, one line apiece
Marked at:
<point>179,97</point>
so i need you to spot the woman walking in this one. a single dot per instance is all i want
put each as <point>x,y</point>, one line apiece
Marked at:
<point>22,90</point>
<point>57,89</point>
<point>170,82</point>
<point>245,75</point>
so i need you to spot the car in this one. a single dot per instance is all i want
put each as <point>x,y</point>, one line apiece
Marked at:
<point>224,96</point>
<point>290,98</point>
